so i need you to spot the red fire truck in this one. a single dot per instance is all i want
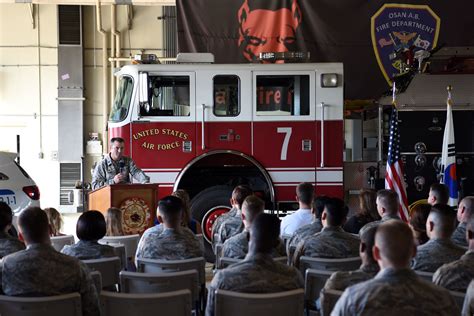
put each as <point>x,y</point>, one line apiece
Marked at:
<point>206,128</point>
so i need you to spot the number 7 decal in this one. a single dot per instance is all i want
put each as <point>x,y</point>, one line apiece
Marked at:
<point>286,141</point>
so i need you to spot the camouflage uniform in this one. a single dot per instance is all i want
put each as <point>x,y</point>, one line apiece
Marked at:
<point>9,244</point>
<point>256,274</point>
<point>300,234</point>
<point>341,280</point>
<point>396,292</point>
<point>459,235</point>
<point>468,307</point>
<point>436,252</point>
<point>455,276</point>
<point>106,170</point>
<point>85,250</point>
<point>377,223</point>
<point>217,225</point>
<point>238,246</point>
<point>232,226</point>
<point>331,242</point>
<point>169,244</point>
<point>42,271</point>
<point>290,223</point>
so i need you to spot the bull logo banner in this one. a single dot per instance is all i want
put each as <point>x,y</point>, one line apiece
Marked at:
<point>264,30</point>
<point>398,31</point>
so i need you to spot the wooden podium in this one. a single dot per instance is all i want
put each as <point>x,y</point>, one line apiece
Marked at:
<point>138,203</point>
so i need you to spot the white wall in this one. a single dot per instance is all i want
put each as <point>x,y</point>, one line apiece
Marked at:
<point>28,105</point>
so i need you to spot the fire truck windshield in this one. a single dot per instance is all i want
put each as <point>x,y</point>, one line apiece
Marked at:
<point>122,99</point>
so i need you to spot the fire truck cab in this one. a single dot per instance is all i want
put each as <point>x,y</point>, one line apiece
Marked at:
<point>206,128</point>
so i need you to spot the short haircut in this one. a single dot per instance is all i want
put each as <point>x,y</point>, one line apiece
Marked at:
<point>6,215</point>
<point>170,208</point>
<point>468,202</point>
<point>388,199</point>
<point>252,206</point>
<point>305,192</point>
<point>34,226</point>
<point>368,238</point>
<point>336,212</point>
<point>117,139</point>
<point>444,218</point>
<point>265,232</point>
<point>440,192</point>
<point>319,203</point>
<point>395,241</point>
<point>91,226</point>
<point>239,194</point>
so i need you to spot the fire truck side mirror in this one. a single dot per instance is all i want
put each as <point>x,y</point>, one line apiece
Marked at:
<point>143,88</point>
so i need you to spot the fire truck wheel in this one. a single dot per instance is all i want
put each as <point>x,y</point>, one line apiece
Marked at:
<point>206,206</point>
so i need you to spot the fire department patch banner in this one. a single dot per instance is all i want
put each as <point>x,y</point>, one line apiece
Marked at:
<point>372,38</point>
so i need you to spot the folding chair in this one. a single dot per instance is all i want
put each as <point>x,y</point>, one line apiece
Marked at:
<point>459,298</point>
<point>137,282</point>
<point>313,284</point>
<point>428,276</point>
<point>109,269</point>
<point>288,303</point>
<point>58,242</point>
<point>58,305</point>
<point>176,303</point>
<point>344,264</point>
<point>130,243</point>
<point>160,266</point>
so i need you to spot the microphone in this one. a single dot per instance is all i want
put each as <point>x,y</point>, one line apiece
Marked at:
<point>121,166</point>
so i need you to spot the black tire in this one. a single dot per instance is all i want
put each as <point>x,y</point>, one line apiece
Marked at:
<point>204,201</point>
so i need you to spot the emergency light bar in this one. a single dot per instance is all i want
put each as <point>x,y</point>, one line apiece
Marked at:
<point>294,57</point>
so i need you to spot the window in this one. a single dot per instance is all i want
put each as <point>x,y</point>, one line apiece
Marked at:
<point>167,96</point>
<point>226,95</point>
<point>122,100</point>
<point>283,95</point>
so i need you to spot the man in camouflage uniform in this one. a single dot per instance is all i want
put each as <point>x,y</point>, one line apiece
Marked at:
<point>465,210</point>
<point>468,307</point>
<point>258,273</point>
<point>171,241</point>
<point>396,289</point>
<point>233,225</point>
<point>332,241</point>
<point>387,207</point>
<point>302,216</point>
<point>303,232</point>
<point>439,194</point>
<point>439,249</point>
<point>8,244</point>
<point>42,271</point>
<point>340,280</point>
<point>116,168</point>
<point>455,276</point>
<point>90,228</point>
<point>237,246</point>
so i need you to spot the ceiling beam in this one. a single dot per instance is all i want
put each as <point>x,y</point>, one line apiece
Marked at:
<point>93,2</point>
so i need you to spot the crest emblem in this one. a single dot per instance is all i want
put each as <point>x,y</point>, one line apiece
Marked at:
<point>398,31</point>
<point>136,215</point>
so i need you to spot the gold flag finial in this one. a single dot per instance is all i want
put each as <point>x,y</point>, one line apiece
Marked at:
<point>449,88</point>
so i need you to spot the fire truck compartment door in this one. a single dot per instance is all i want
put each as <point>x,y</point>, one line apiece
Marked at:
<point>223,101</point>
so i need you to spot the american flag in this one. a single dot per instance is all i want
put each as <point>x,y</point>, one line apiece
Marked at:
<point>394,175</point>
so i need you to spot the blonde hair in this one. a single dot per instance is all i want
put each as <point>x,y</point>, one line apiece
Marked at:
<point>54,220</point>
<point>184,196</point>
<point>113,220</point>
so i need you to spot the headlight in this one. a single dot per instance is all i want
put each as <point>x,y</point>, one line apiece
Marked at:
<point>329,80</point>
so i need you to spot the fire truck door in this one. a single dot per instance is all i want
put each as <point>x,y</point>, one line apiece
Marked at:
<point>163,133</point>
<point>284,132</point>
<point>223,111</point>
